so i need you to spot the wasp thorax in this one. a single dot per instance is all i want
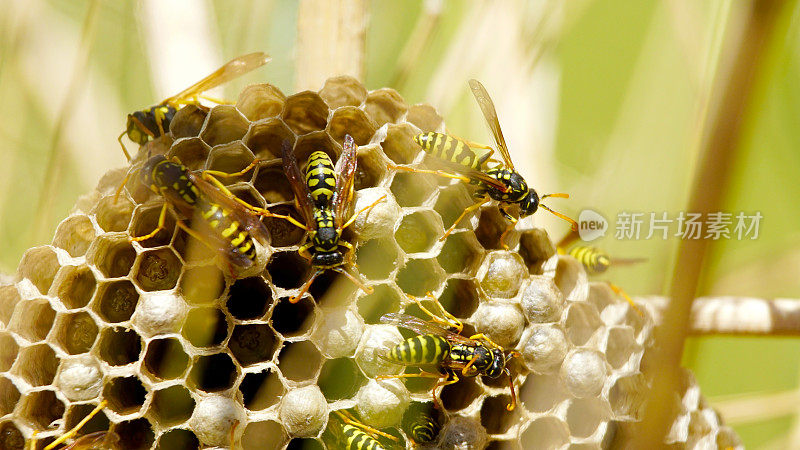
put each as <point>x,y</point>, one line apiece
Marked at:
<point>326,238</point>
<point>147,175</point>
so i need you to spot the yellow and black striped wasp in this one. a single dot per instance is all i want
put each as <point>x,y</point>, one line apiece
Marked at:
<point>420,422</point>
<point>101,440</point>
<point>323,197</point>
<point>501,182</point>
<point>350,434</point>
<point>596,261</point>
<point>153,122</point>
<point>439,345</point>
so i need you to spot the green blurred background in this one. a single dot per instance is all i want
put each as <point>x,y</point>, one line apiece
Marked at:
<point>601,99</point>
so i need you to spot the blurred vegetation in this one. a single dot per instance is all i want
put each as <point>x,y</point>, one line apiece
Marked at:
<point>630,82</point>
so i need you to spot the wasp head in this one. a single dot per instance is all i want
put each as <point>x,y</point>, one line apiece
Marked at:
<point>497,365</point>
<point>529,204</point>
<point>327,259</point>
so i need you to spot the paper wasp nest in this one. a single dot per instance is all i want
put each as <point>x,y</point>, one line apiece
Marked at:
<point>182,352</point>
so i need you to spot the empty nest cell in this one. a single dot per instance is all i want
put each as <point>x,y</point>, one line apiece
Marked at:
<point>260,390</point>
<point>249,298</point>
<point>299,361</point>
<point>293,319</point>
<point>119,346</point>
<point>205,327</point>
<point>125,395</point>
<point>166,358</point>
<point>213,373</point>
<point>172,406</point>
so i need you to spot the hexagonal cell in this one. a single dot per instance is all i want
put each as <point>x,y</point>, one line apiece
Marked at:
<point>312,142</point>
<point>113,215</point>
<point>249,298</point>
<point>224,124</point>
<point>76,413</point>
<point>304,444</point>
<point>177,439</point>
<point>371,168</point>
<point>253,343</point>
<point>340,378</point>
<point>259,101</point>
<point>9,297</point>
<point>125,395</point>
<point>8,351</point>
<point>419,276</point>
<point>343,90</point>
<point>411,189</point>
<point>287,269</point>
<point>37,364</point>
<point>166,358</point>
<point>268,434</point>
<point>353,121</point>
<point>377,258</point>
<point>418,232</point>
<point>76,332</point>
<point>145,220</point>
<point>192,250</point>
<point>461,253</point>
<point>230,158</point>
<point>425,117</point>
<point>137,434</point>
<point>584,415</point>
<point>41,408</point>
<point>75,286</point>
<point>504,445</point>
<point>451,203</point>
<point>74,235</point>
<point>213,373</point>
<point>112,254</point>
<point>582,323</point>
<point>172,405</point>
<point>9,395</point>
<point>627,396</point>
<point>260,390</point>
<point>202,285</point>
<point>116,301</point>
<point>399,143</point>
<point>458,396</point>
<point>33,330</point>
<point>39,265</point>
<point>541,393</point>
<point>283,232</point>
<point>571,279</point>
<point>385,105</point>
<point>545,433</point>
<point>535,247</point>
<point>305,112</point>
<point>460,297</point>
<point>10,437</point>
<point>299,361</point>
<point>192,153</point>
<point>491,225</point>
<point>120,346</point>
<point>293,319</point>
<point>266,138</point>
<point>620,346</point>
<point>271,181</point>
<point>158,270</point>
<point>187,122</point>
<point>384,299</point>
<point>205,327</point>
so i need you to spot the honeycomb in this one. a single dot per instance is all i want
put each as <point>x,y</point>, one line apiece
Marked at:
<point>183,352</point>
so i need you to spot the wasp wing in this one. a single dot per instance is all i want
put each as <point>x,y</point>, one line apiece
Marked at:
<point>490,114</point>
<point>232,69</point>
<point>302,197</point>
<point>476,175</point>
<point>345,170</point>
<point>100,439</point>
<point>420,326</point>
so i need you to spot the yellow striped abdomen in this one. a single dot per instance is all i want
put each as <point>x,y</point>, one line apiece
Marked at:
<point>222,222</point>
<point>592,258</point>
<point>451,149</point>
<point>320,178</point>
<point>357,439</point>
<point>422,349</point>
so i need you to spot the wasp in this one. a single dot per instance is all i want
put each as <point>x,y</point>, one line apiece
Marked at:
<point>596,261</point>
<point>440,345</point>
<point>104,440</point>
<point>228,224</point>
<point>500,182</point>
<point>354,435</point>
<point>420,423</point>
<point>153,122</point>
<point>323,195</point>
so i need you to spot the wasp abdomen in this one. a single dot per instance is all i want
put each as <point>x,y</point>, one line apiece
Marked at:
<point>223,223</point>
<point>320,178</point>
<point>594,259</point>
<point>421,349</point>
<point>451,149</point>
<point>357,439</point>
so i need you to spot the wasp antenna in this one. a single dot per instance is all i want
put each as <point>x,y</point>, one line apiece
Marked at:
<point>573,224</point>
<point>559,195</point>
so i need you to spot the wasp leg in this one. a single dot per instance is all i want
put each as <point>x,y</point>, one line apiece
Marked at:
<point>211,177</point>
<point>218,101</point>
<point>161,220</point>
<point>618,290</point>
<point>303,250</point>
<point>451,378</point>
<point>124,150</point>
<point>466,368</point>
<point>32,443</point>
<point>304,288</point>
<point>466,211</point>
<point>512,223</point>
<point>510,406</point>
<point>483,337</point>
<point>440,173</point>
<point>77,427</point>
<point>566,241</point>
<point>355,280</point>
<point>424,375</point>
<point>347,418</point>
<point>446,319</point>
<point>233,434</point>
<point>366,208</point>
